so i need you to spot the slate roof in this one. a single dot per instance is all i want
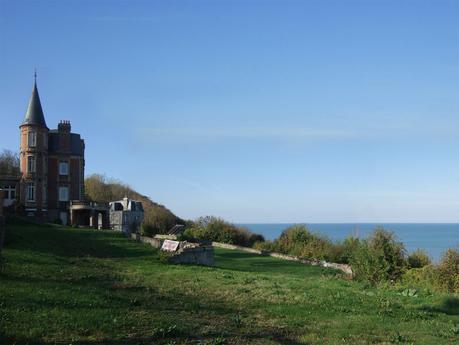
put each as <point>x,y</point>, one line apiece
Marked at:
<point>76,143</point>
<point>34,114</point>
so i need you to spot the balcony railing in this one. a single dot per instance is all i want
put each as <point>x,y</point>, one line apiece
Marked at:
<point>90,204</point>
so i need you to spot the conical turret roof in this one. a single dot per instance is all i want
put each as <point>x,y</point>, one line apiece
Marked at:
<point>34,115</point>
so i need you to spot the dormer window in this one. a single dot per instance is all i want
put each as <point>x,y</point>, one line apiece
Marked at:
<point>32,139</point>
<point>63,168</point>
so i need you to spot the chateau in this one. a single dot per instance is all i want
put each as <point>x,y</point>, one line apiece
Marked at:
<point>51,167</point>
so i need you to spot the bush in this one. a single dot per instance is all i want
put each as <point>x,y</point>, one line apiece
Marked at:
<point>297,240</point>
<point>425,277</point>
<point>341,252</point>
<point>418,259</point>
<point>379,258</point>
<point>368,265</point>
<point>448,271</point>
<point>265,245</point>
<point>216,229</point>
<point>147,230</point>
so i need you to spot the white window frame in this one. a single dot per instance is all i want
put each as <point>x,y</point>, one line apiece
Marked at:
<point>63,168</point>
<point>30,191</point>
<point>32,139</point>
<point>63,193</point>
<point>31,164</point>
<point>9,190</point>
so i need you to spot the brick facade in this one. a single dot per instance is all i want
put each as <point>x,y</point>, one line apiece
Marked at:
<point>51,165</point>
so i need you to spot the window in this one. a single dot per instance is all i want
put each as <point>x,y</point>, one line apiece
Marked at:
<point>30,191</point>
<point>31,164</point>
<point>9,192</point>
<point>63,168</point>
<point>32,139</point>
<point>12,194</point>
<point>45,193</point>
<point>63,193</point>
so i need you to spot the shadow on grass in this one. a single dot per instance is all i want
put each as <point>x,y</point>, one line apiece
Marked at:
<point>176,316</point>
<point>94,286</point>
<point>449,306</point>
<point>182,339</point>
<point>68,242</point>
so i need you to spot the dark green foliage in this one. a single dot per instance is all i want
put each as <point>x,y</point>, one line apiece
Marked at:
<point>379,258</point>
<point>9,163</point>
<point>147,230</point>
<point>165,256</point>
<point>448,271</point>
<point>425,277</point>
<point>297,240</point>
<point>342,251</point>
<point>216,229</point>
<point>418,259</point>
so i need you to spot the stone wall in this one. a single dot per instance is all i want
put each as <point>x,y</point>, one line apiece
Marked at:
<point>244,249</point>
<point>187,253</point>
<point>198,256</point>
<point>154,242</point>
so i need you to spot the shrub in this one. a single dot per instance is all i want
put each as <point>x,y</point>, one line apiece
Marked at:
<point>164,256</point>
<point>317,247</point>
<point>424,277</point>
<point>216,229</point>
<point>297,240</point>
<point>147,230</point>
<point>379,258</point>
<point>368,265</point>
<point>418,259</point>
<point>341,252</point>
<point>394,254</point>
<point>292,240</point>
<point>448,271</point>
<point>265,245</point>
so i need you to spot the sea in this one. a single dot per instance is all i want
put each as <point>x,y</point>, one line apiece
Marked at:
<point>435,238</point>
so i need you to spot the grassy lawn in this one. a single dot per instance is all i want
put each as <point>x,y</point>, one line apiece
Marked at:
<point>73,286</point>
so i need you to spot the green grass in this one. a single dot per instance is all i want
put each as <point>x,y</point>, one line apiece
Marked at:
<point>73,286</point>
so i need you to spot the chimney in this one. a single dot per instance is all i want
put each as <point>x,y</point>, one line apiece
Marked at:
<point>64,126</point>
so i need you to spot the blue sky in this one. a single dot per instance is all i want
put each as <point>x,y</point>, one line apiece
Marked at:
<point>256,111</point>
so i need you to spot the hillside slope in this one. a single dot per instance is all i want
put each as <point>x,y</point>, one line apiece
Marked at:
<point>96,287</point>
<point>158,219</point>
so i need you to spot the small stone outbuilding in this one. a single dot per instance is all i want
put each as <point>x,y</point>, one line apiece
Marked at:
<point>126,215</point>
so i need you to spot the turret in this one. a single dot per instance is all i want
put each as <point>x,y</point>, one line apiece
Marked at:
<point>34,156</point>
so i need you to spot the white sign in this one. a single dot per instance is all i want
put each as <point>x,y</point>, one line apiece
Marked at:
<point>170,246</point>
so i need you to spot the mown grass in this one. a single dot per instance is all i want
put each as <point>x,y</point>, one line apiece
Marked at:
<point>74,286</point>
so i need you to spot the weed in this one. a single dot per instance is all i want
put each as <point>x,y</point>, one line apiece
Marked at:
<point>237,320</point>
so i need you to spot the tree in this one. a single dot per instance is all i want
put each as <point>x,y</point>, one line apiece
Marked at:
<point>9,163</point>
<point>157,218</point>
